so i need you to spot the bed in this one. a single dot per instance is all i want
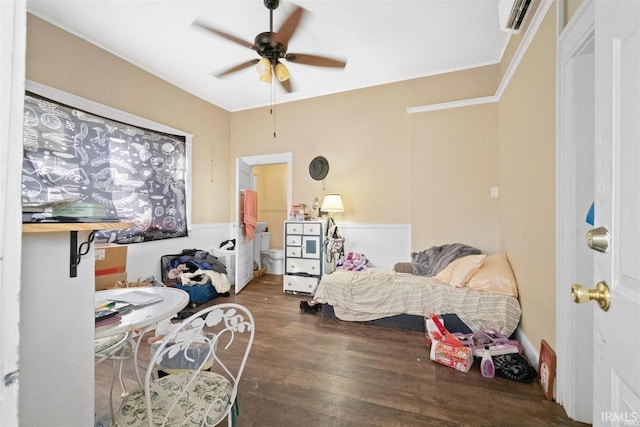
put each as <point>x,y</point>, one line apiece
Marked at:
<point>471,288</point>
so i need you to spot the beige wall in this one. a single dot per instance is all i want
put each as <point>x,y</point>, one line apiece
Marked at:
<point>527,181</point>
<point>454,164</point>
<point>63,61</point>
<point>365,136</point>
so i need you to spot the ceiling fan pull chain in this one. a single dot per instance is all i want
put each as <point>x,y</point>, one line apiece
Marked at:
<point>273,107</point>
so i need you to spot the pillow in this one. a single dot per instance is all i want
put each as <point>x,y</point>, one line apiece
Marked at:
<point>459,271</point>
<point>495,275</point>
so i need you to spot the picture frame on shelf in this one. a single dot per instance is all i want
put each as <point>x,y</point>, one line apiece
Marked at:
<point>547,369</point>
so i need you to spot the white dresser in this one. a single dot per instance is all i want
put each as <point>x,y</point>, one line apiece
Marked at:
<point>304,260</point>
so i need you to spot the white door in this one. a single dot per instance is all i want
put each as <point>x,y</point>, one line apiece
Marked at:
<point>616,355</point>
<point>244,248</point>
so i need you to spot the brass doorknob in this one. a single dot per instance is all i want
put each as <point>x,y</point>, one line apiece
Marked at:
<point>581,294</point>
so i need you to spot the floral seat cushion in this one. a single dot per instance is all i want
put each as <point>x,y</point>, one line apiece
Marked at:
<point>209,395</point>
<point>105,344</point>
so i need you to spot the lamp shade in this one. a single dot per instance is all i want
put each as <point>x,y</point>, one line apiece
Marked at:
<point>332,203</point>
<point>282,73</point>
<point>263,67</point>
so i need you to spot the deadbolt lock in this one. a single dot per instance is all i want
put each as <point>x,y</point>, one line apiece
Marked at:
<point>600,294</point>
<point>598,239</point>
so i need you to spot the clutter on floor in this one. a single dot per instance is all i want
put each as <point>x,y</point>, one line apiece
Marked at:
<point>305,307</point>
<point>499,355</point>
<point>197,272</point>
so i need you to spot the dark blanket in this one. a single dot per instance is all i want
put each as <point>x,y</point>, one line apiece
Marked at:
<point>433,260</point>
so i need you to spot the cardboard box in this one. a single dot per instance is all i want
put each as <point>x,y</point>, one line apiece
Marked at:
<point>108,281</point>
<point>126,284</point>
<point>110,259</point>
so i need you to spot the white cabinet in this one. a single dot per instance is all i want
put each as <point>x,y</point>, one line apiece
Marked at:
<point>304,262</point>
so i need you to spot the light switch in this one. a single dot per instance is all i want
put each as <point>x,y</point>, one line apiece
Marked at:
<point>495,192</point>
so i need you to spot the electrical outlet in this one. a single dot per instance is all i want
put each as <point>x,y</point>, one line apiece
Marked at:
<point>495,192</point>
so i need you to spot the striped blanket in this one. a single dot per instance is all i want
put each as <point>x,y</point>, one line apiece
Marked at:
<point>377,293</point>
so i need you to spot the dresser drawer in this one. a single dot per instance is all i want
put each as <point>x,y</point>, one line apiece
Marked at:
<point>294,251</point>
<point>306,285</point>
<point>314,229</point>
<point>295,228</point>
<point>294,240</point>
<point>308,266</point>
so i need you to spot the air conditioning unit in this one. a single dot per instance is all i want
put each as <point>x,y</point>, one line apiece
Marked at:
<point>511,14</point>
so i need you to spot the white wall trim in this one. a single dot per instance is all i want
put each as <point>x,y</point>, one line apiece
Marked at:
<point>372,226</point>
<point>383,244</point>
<point>541,12</point>
<point>529,350</point>
<point>453,104</point>
<point>13,36</point>
<point>268,159</point>
<point>122,116</point>
<point>569,346</point>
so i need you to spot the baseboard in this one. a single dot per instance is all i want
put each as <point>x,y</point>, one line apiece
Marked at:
<point>528,348</point>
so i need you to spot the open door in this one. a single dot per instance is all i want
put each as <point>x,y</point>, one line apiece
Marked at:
<point>612,277</point>
<point>617,208</point>
<point>244,248</point>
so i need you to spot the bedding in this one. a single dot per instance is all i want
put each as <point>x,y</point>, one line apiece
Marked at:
<point>433,260</point>
<point>377,293</point>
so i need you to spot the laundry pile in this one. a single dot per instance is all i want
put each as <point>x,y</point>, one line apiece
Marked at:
<point>195,267</point>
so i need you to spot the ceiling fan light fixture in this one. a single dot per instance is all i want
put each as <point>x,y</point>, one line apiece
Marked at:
<point>282,73</point>
<point>266,77</point>
<point>263,67</point>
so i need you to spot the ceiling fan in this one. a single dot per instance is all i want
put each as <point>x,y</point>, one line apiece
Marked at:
<point>272,48</point>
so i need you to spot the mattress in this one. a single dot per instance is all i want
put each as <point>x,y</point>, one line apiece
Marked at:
<point>377,293</point>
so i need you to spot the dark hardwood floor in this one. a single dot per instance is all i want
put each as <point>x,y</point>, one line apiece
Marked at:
<point>305,370</point>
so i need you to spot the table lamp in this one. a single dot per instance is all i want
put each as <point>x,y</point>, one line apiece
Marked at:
<point>332,203</point>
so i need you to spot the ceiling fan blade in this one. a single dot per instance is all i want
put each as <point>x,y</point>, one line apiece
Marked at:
<point>238,67</point>
<point>207,27</point>
<point>288,28</point>
<point>320,61</point>
<point>287,85</point>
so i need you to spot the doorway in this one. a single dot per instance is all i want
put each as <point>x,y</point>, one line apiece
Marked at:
<point>244,249</point>
<point>271,185</point>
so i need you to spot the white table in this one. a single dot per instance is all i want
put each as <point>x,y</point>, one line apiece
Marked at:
<point>173,301</point>
<point>138,320</point>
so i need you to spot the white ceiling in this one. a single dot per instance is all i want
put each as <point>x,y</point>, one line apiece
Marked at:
<point>382,41</point>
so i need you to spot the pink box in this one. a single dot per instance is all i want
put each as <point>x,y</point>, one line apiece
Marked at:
<point>456,357</point>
